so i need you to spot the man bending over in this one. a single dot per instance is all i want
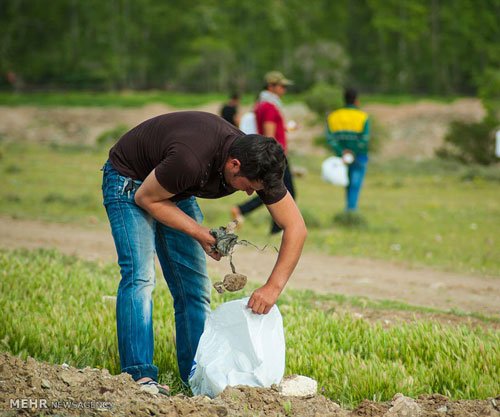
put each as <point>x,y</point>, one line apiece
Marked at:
<point>151,181</point>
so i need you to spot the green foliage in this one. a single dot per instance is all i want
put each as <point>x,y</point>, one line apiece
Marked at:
<point>489,85</point>
<point>71,308</point>
<point>321,62</point>
<point>480,172</point>
<point>322,98</point>
<point>475,142</point>
<point>489,92</point>
<point>414,47</point>
<point>109,137</point>
<point>471,142</point>
<point>287,407</point>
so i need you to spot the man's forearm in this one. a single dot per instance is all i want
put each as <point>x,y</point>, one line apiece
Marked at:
<point>170,215</point>
<point>290,250</point>
<point>167,213</point>
<point>287,215</point>
<point>153,198</point>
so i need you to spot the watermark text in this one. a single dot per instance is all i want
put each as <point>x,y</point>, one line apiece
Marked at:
<point>44,403</point>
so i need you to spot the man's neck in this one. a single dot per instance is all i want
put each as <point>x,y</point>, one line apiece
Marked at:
<point>269,96</point>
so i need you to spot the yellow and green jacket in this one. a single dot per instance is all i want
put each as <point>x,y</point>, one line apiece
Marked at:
<point>348,128</point>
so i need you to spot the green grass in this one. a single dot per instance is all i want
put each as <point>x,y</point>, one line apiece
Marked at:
<point>330,302</point>
<point>429,213</point>
<point>171,98</point>
<point>58,183</point>
<point>54,311</point>
<point>118,99</point>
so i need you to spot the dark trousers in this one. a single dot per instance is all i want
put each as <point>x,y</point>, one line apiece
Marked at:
<point>256,202</point>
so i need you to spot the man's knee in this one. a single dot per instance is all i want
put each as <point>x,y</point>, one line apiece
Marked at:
<point>138,278</point>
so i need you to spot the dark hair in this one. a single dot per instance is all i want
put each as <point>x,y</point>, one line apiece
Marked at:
<point>350,95</point>
<point>235,96</point>
<point>262,159</point>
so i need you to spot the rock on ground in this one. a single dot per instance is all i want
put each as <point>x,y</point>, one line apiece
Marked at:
<point>298,386</point>
<point>403,407</point>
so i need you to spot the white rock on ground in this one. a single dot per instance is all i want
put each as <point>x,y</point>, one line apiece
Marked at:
<point>403,407</point>
<point>298,386</point>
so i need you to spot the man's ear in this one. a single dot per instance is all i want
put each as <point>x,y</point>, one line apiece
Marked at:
<point>234,164</point>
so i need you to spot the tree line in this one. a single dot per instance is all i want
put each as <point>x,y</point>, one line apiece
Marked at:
<point>380,46</point>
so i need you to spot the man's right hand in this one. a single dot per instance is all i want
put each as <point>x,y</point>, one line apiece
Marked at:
<point>348,156</point>
<point>207,242</point>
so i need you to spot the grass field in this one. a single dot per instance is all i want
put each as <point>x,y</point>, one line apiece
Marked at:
<point>55,311</point>
<point>170,98</point>
<point>428,213</point>
<point>101,99</point>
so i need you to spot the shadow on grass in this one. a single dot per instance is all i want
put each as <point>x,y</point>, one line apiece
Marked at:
<point>350,220</point>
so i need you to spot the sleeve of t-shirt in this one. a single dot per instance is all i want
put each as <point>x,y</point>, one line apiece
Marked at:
<point>179,170</point>
<point>274,196</point>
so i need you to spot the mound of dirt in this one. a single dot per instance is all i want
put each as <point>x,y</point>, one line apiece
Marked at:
<point>36,388</point>
<point>70,125</point>
<point>413,130</point>
<point>31,387</point>
<point>416,130</point>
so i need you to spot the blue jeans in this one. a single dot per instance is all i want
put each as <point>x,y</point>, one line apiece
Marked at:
<point>356,174</point>
<point>138,236</point>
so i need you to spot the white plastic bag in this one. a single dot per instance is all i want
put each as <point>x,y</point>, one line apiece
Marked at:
<point>248,123</point>
<point>334,171</point>
<point>238,347</point>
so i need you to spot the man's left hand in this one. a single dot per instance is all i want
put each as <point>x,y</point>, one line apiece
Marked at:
<point>263,299</point>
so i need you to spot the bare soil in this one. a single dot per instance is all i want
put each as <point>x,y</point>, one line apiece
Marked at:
<point>413,130</point>
<point>63,390</point>
<point>416,130</point>
<point>375,279</point>
<point>74,125</point>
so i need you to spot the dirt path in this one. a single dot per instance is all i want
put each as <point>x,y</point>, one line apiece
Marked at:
<point>319,272</point>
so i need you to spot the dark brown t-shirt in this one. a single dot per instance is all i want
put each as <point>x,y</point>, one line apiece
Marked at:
<point>187,150</point>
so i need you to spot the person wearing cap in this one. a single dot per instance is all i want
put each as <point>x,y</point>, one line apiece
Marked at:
<point>348,134</point>
<point>271,123</point>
